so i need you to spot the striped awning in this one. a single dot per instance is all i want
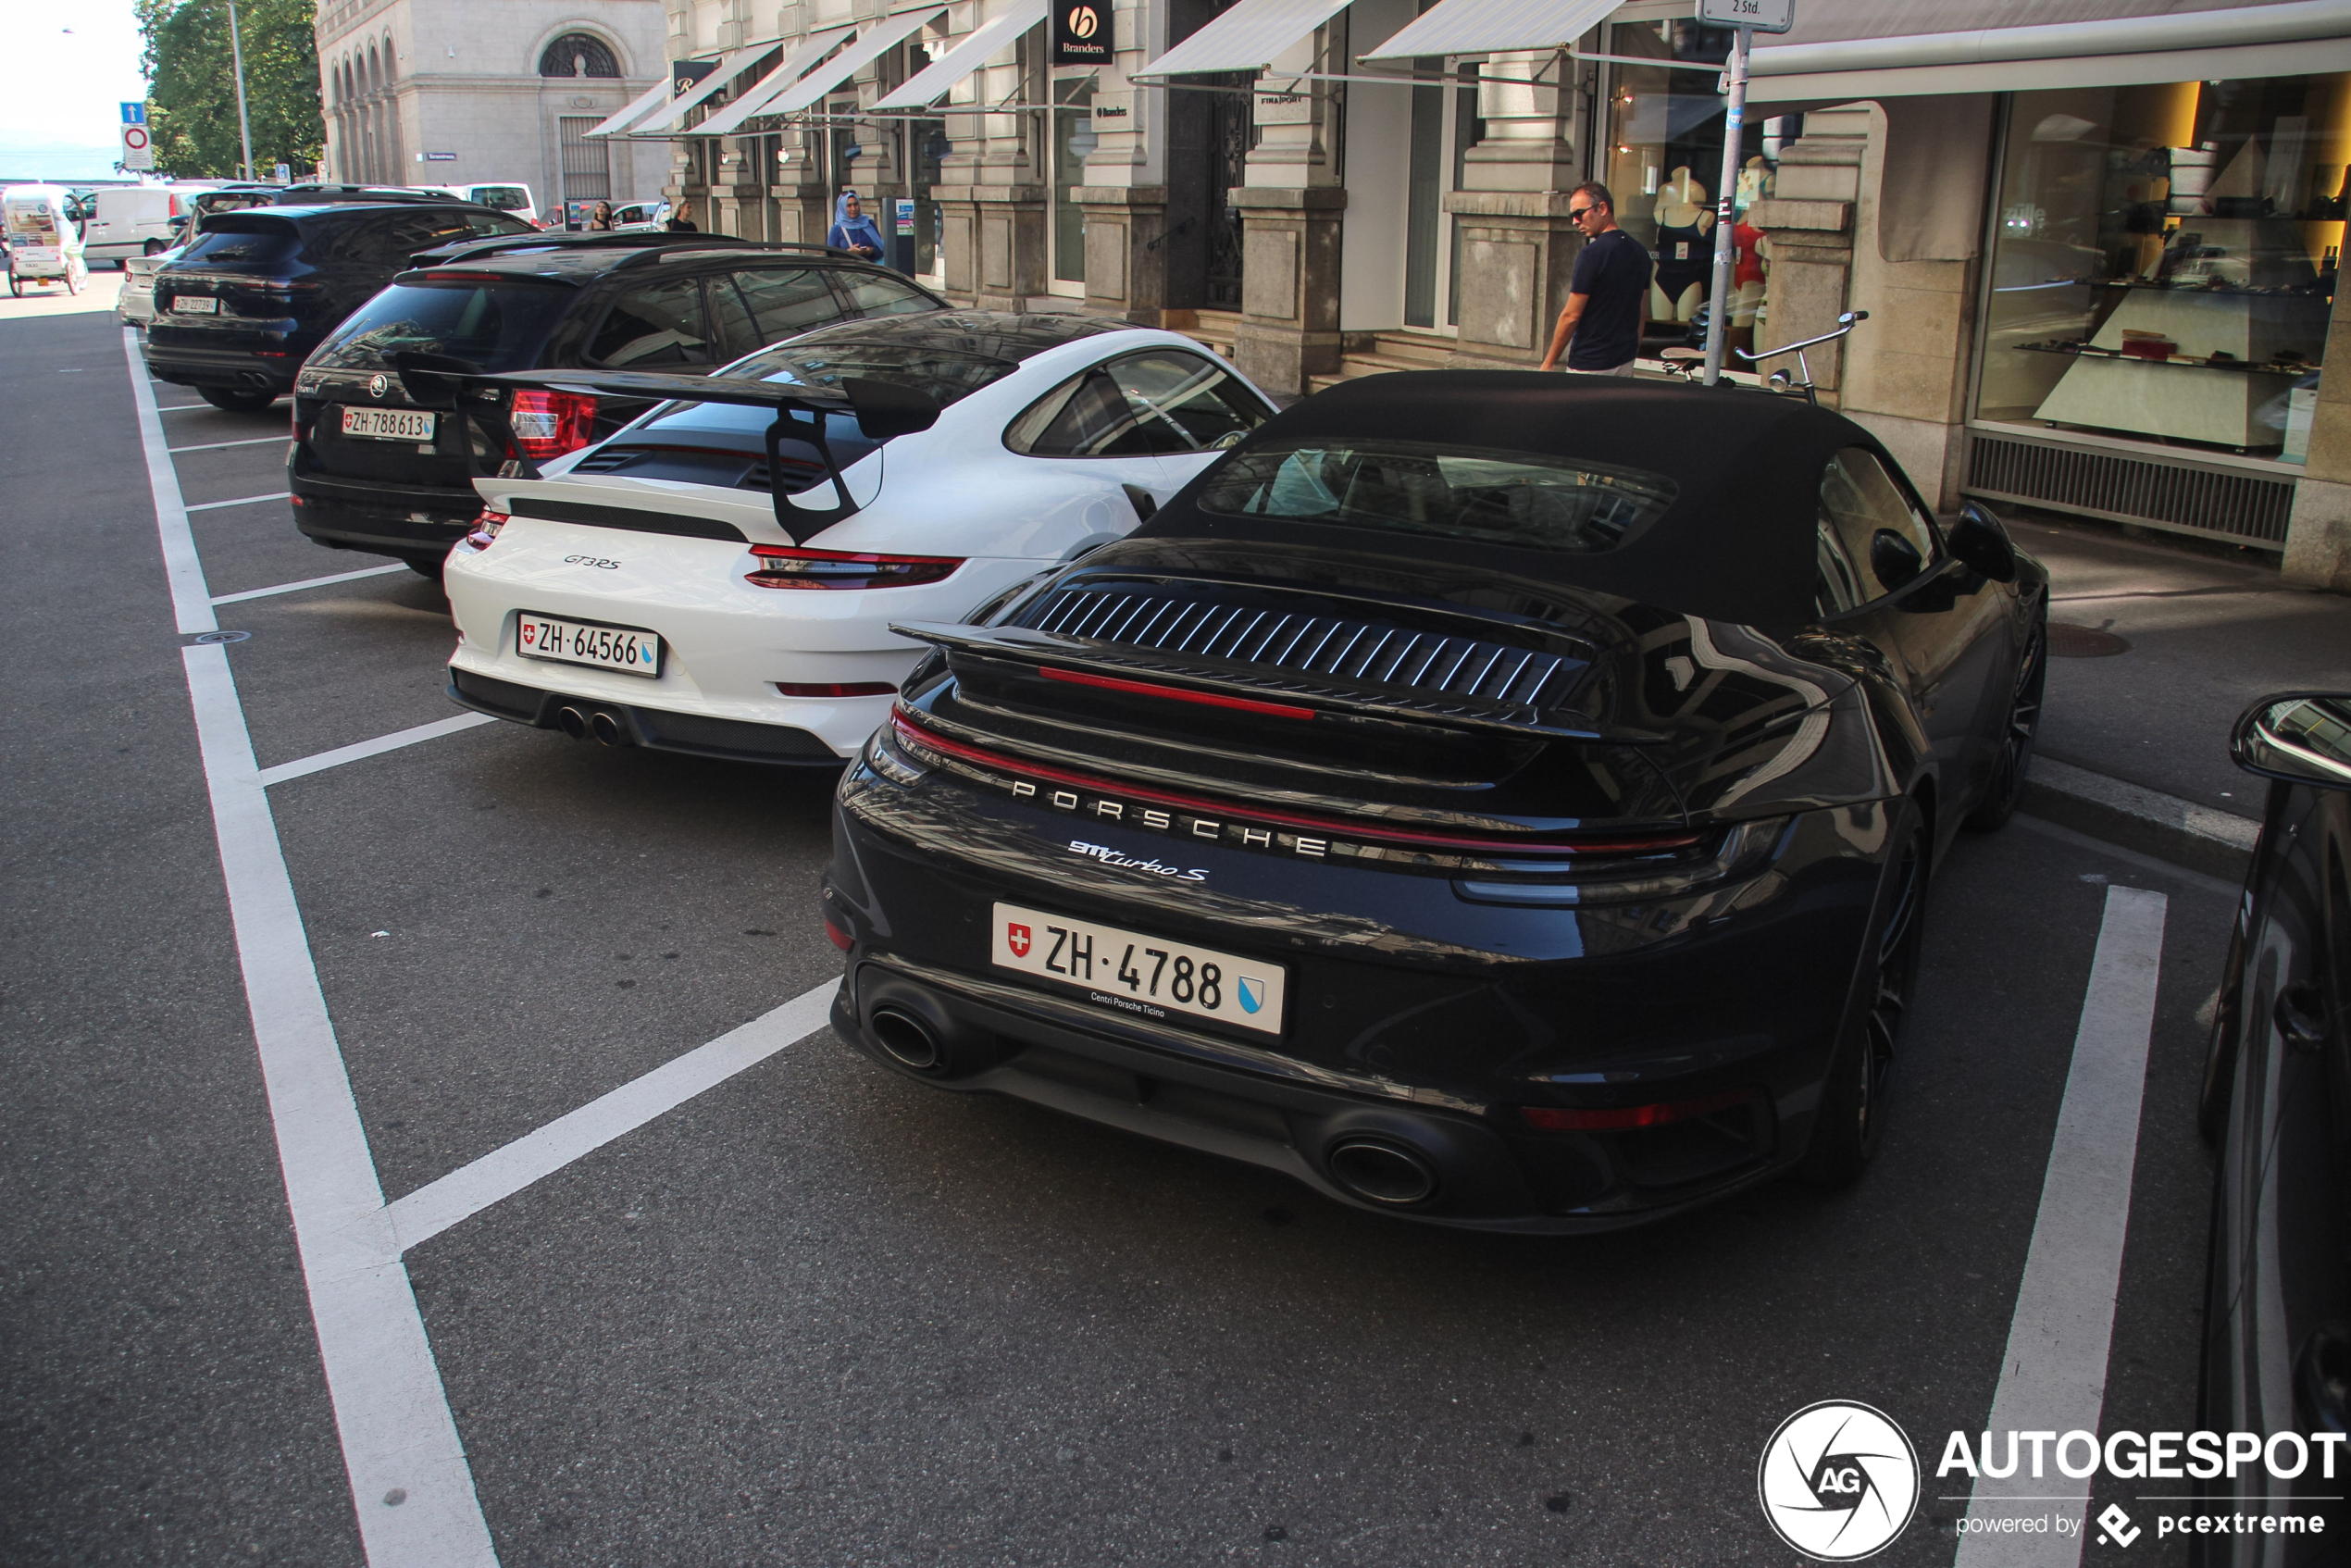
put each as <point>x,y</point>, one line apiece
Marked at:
<point>1248,37</point>
<point>992,37</point>
<point>797,60</point>
<point>733,66</point>
<point>872,39</point>
<point>637,108</point>
<point>1493,27</point>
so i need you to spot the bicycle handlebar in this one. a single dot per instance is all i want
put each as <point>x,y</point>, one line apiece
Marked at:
<point>1845,324</point>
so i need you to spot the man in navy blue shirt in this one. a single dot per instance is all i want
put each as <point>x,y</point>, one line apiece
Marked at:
<point>1606,294</point>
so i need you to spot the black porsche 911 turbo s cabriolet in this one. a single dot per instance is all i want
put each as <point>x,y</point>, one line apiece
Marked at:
<point>1501,799</point>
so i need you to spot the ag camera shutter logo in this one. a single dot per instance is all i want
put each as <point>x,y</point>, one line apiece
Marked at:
<point>1838,1481</point>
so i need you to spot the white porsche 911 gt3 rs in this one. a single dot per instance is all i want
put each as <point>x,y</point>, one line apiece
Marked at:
<point>719,576</point>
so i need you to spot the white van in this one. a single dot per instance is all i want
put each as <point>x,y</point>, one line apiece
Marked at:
<point>131,220</point>
<point>500,195</point>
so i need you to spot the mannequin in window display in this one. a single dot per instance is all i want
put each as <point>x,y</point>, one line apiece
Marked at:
<point>1685,255</point>
<point>1751,266</point>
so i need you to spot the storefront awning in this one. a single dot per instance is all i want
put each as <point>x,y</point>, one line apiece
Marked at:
<point>1837,54</point>
<point>872,38</point>
<point>637,108</point>
<point>941,77</point>
<point>1491,27</point>
<point>775,84</point>
<point>665,115</point>
<point>1244,38</point>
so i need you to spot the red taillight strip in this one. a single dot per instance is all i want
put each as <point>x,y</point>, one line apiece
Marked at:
<point>794,552</point>
<point>1178,694</point>
<point>915,734</point>
<point>1554,1118</point>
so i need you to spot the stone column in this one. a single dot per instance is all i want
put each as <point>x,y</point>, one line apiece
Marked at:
<point>990,194</point>
<point>1518,245</point>
<point>1126,267</point>
<point>1290,217</point>
<point>1809,218</point>
<point>2318,535</point>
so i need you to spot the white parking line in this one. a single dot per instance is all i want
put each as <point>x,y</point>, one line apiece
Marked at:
<point>361,750</point>
<point>217,445</point>
<point>2052,1374</point>
<point>305,582</point>
<point>241,500</point>
<point>413,1490</point>
<point>499,1173</point>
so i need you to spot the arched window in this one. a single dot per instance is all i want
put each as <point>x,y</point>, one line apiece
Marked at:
<point>578,53</point>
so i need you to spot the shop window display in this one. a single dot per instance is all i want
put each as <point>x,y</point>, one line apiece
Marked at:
<point>1665,151</point>
<point>2163,260</point>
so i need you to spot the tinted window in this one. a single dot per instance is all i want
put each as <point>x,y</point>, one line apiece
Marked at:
<point>258,245</point>
<point>497,326</point>
<point>653,325</point>
<point>876,293</point>
<point>1158,402</point>
<point>387,239</point>
<point>1522,498</point>
<point>943,374</point>
<point>1859,500</point>
<point>786,302</point>
<point>505,198</point>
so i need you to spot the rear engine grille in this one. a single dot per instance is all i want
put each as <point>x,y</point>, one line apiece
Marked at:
<point>1325,645</point>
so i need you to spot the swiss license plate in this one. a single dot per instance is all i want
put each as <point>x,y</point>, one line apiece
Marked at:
<point>194,305</point>
<point>389,424</point>
<point>577,642</point>
<point>1135,972</point>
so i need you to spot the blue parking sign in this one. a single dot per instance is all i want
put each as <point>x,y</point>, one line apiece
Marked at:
<point>134,114</point>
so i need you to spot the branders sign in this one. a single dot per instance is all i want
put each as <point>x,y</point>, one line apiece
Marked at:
<point>1081,32</point>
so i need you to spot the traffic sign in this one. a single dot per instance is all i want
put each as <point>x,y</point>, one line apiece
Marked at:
<point>134,114</point>
<point>138,149</point>
<point>1764,16</point>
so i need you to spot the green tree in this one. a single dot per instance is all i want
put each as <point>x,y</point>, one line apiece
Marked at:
<point>192,93</point>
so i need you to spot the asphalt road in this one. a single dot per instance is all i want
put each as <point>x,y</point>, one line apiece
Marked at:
<point>817,1314</point>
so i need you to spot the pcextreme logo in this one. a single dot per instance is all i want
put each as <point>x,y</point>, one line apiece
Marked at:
<point>1838,1481</point>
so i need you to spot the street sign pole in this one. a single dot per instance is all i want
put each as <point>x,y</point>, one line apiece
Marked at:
<point>237,58</point>
<point>1718,308</point>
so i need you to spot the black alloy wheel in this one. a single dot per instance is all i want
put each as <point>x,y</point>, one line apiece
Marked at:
<point>1852,1115</point>
<point>2007,784</point>
<point>236,401</point>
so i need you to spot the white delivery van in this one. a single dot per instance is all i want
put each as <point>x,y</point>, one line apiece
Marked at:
<point>501,196</point>
<point>131,220</point>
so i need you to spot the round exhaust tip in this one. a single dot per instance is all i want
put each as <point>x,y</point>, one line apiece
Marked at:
<point>1380,1171</point>
<point>906,1038</point>
<point>605,728</point>
<point>572,722</point>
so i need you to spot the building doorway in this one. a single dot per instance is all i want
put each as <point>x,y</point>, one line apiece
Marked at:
<point>1444,127</point>
<point>1073,138</point>
<point>587,164</point>
<point>1212,125</point>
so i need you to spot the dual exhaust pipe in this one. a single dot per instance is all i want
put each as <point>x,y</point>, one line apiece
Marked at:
<point>581,723</point>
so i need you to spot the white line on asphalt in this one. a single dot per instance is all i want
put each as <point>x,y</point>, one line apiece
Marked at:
<point>2053,1372</point>
<point>499,1173</point>
<point>241,500</point>
<point>361,750</point>
<point>413,1490</point>
<point>191,604</point>
<point>217,445</point>
<point>2117,854</point>
<point>305,582</point>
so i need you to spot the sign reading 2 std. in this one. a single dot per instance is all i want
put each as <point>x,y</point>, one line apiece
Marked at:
<point>1764,16</point>
<point>1081,32</point>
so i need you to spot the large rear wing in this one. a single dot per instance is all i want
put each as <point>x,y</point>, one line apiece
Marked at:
<point>882,409</point>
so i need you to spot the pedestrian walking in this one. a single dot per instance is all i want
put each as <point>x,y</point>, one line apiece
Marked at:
<point>1599,329</point>
<point>681,221</point>
<point>852,230</point>
<point>600,216</point>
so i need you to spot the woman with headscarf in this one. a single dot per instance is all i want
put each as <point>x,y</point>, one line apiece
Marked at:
<point>852,230</point>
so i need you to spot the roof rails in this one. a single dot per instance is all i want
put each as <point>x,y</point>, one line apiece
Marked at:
<point>653,241</point>
<point>675,242</point>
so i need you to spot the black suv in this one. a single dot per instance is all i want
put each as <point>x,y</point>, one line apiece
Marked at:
<point>242,307</point>
<point>370,469</point>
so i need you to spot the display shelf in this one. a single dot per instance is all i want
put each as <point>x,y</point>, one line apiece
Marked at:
<point>2086,352</point>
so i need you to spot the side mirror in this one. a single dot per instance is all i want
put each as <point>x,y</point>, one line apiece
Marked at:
<point>1981,544</point>
<point>2301,737</point>
<point>886,409</point>
<point>1894,559</point>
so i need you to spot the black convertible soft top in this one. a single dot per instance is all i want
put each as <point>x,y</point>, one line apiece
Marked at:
<point>1736,544</point>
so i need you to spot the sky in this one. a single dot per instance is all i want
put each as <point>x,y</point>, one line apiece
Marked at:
<point>69,67</point>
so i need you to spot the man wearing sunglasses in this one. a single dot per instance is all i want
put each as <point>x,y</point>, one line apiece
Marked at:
<point>1604,299</point>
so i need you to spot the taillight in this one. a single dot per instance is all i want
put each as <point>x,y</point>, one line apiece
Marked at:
<point>787,566</point>
<point>548,424</point>
<point>486,528</point>
<point>836,687</point>
<point>1553,1118</point>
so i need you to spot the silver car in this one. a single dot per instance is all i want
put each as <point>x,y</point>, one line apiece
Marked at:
<point>136,307</point>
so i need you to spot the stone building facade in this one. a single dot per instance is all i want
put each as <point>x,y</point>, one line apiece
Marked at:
<point>2004,210</point>
<point>463,92</point>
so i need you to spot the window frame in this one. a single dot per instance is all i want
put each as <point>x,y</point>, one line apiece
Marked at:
<point>1066,388</point>
<point>601,309</point>
<point>1939,557</point>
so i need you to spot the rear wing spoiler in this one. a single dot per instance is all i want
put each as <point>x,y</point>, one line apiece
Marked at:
<point>1005,645</point>
<point>882,409</point>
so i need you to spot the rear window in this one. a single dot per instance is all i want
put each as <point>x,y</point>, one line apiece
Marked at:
<point>505,198</point>
<point>1521,499</point>
<point>945,374</point>
<point>246,242</point>
<point>497,326</point>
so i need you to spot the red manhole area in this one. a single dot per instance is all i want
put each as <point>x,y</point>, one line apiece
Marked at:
<point>2084,643</point>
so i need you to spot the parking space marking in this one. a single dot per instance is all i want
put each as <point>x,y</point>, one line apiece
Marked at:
<point>359,751</point>
<point>241,500</point>
<point>504,1172</point>
<point>412,1488</point>
<point>305,582</point>
<point>218,445</point>
<point>2053,1372</point>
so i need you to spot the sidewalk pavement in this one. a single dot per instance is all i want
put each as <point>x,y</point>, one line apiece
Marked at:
<point>2134,746</point>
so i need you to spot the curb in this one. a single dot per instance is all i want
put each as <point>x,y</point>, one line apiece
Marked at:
<point>2217,843</point>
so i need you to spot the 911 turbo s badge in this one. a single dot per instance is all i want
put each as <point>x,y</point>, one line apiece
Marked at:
<point>1109,856</point>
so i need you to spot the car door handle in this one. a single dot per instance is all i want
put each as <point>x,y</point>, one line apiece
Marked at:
<point>2301,1016</point>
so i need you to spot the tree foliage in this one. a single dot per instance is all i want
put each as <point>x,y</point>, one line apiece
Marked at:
<point>192,96</point>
